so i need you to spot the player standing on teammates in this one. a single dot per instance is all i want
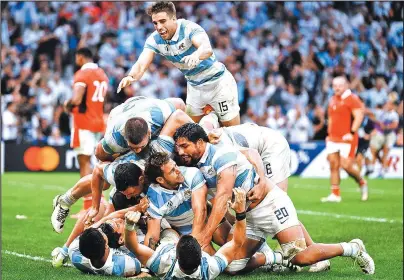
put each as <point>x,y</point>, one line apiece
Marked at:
<point>345,116</point>
<point>187,46</point>
<point>87,107</point>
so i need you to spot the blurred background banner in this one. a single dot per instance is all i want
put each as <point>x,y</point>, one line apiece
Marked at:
<point>309,160</point>
<point>25,157</point>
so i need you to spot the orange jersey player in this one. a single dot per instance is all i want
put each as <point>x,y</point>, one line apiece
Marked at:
<point>345,116</point>
<point>87,107</point>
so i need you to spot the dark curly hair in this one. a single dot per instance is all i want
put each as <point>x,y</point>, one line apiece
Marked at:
<point>192,132</point>
<point>153,166</point>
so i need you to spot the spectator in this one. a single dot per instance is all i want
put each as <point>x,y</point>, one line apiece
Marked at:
<point>55,139</point>
<point>299,125</point>
<point>10,123</point>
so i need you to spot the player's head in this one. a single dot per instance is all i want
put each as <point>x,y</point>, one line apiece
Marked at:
<point>129,179</point>
<point>137,134</point>
<point>93,244</point>
<point>113,229</point>
<point>161,169</point>
<point>189,254</point>
<point>83,55</point>
<point>190,142</point>
<point>164,18</point>
<point>339,85</point>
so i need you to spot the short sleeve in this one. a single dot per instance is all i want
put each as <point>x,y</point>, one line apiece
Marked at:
<point>193,29</point>
<point>194,178</point>
<point>217,264</point>
<point>155,202</point>
<point>113,142</point>
<point>226,160</point>
<point>354,102</point>
<point>132,265</point>
<point>151,43</point>
<point>80,79</point>
<point>164,143</point>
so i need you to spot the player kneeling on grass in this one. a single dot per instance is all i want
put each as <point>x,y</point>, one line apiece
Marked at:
<point>186,258</point>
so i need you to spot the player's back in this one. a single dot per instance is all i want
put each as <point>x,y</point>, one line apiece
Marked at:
<point>154,111</point>
<point>89,114</point>
<point>250,135</point>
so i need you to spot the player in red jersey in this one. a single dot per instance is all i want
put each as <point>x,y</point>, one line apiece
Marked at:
<point>87,107</point>
<point>345,115</point>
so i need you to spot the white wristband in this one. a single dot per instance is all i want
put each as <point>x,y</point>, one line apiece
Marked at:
<point>130,227</point>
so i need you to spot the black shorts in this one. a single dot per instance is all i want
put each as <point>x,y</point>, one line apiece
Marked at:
<point>363,146</point>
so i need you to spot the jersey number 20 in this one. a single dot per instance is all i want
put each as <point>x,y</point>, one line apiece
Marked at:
<point>100,91</point>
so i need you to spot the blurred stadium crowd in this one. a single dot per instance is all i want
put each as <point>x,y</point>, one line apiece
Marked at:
<point>283,56</point>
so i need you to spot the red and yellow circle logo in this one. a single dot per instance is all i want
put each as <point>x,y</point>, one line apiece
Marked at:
<point>37,158</point>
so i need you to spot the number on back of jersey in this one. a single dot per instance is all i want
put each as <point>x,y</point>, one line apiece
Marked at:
<point>100,91</point>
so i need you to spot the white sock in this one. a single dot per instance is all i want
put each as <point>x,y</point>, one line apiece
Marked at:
<point>271,257</point>
<point>350,249</point>
<point>67,199</point>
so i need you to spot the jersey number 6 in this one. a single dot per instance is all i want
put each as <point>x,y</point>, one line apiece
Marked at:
<point>100,91</point>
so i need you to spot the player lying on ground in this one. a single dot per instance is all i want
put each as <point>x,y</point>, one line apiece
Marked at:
<point>104,172</point>
<point>271,213</point>
<point>186,45</point>
<point>274,151</point>
<point>186,258</point>
<point>110,258</point>
<point>178,194</point>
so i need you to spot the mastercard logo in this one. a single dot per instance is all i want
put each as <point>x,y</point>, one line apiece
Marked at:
<point>45,158</point>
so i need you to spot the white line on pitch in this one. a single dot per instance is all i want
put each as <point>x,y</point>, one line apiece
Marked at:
<point>343,216</point>
<point>32,185</point>
<point>34,258</point>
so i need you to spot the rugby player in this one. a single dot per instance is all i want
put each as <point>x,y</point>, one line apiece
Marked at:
<point>186,45</point>
<point>345,116</point>
<point>271,212</point>
<point>185,259</point>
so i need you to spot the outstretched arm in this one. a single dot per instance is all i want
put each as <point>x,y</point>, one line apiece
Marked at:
<point>199,208</point>
<point>177,119</point>
<point>138,69</point>
<point>239,236</point>
<point>142,252</point>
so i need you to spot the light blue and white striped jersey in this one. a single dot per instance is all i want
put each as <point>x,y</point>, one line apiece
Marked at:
<point>216,159</point>
<point>154,111</point>
<point>120,262</point>
<point>165,265</point>
<point>163,143</point>
<point>180,46</point>
<point>175,205</point>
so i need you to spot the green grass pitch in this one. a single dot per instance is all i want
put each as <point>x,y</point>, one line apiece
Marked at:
<point>31,194</point>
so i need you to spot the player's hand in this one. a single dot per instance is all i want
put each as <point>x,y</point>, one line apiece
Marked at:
<point>239,202</point>
<point>126,81</point>
<point>258,192</point>
<point>143,205</point>
<point>191,61</point>
<point>347,137</point>
<point>90,215</point>
<point>132,217</point>
<point>214,136</point>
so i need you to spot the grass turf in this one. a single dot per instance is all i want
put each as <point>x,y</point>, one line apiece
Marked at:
<point>31,194</point>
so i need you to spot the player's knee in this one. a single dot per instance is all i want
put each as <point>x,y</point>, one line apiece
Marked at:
<point>292,251</point>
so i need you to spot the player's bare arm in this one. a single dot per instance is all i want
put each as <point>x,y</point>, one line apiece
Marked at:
<point>120,214</point>
<point>239,236</point>
<point>97,183</point>
<point>79,90</point>
<point>153,232</point>
<point>101,154</point>
<point>142,252</point>
<point>204,50</point>
<point>358,115</point>
<point>225,184</point>
<point>176,120</point>
<point>199,208</point>
<point>138,69</point>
